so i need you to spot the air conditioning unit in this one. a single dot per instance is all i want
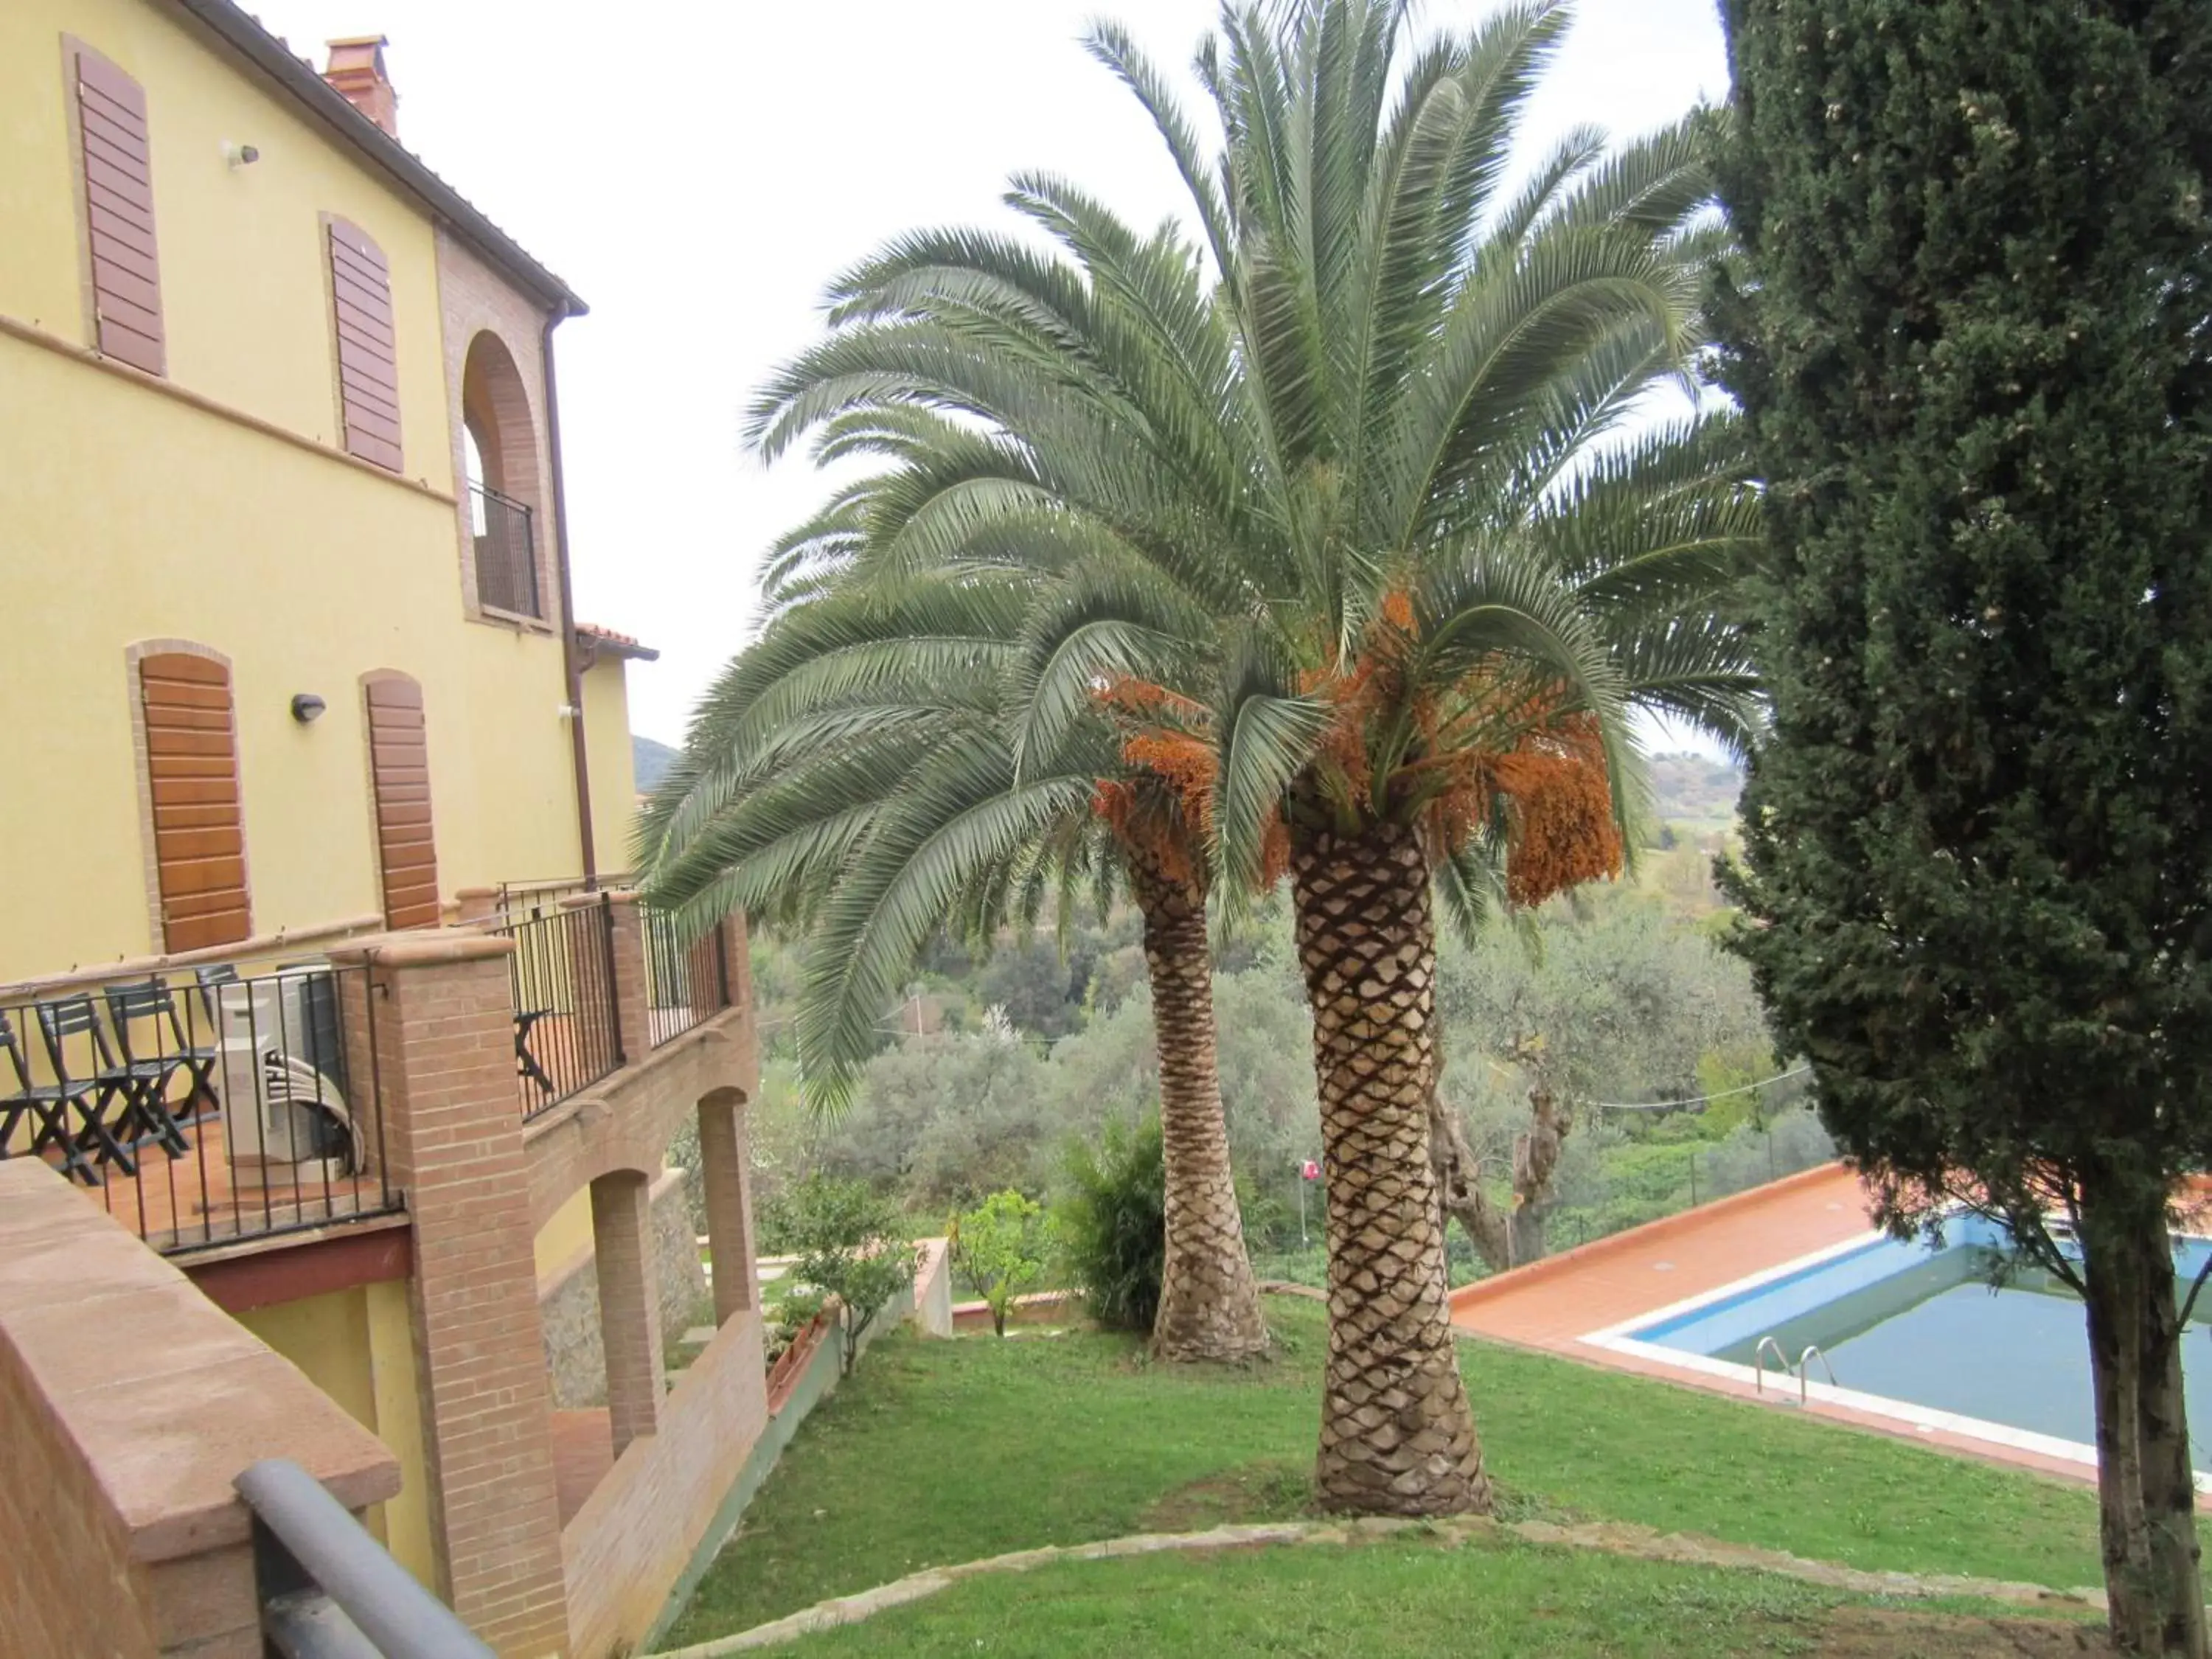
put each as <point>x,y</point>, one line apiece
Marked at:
<point>285,1120</point>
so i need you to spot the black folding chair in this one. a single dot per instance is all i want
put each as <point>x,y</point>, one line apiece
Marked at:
<point>45,1102</point>
<point>109,1085</point>
<point>128,1004</point>
<point>213,981</point>
<point>526,1063</point>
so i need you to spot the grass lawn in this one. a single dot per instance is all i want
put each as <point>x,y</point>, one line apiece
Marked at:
<point>1322,1603</point>
<point>940,1452</point>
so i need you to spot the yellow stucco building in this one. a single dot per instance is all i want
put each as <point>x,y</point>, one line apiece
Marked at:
<point>281,541</point>
<point>230,436</point>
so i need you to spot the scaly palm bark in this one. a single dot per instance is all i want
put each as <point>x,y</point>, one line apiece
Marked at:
<point>1397,1433</point>
<point>1209,1302</point>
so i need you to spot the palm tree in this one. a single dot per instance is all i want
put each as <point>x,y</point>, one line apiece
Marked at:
<point>1382,452</point>
<point>834,747</point>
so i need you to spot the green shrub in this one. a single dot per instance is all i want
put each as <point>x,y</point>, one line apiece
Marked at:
<point>785,1320</point>
<point>999,1251</point>
<point>850,1243</point>
<point>1112,1225</point>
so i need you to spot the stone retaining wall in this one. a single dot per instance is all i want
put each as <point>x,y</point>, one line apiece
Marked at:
<point>569,1306</point>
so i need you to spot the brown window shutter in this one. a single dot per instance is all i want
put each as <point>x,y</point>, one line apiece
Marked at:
<point>368,373</point>
<point>191,771</point>
<point>116,164</point>
<point>399,770</point>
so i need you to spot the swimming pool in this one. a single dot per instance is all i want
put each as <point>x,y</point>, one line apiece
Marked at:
<point>1917,1333</point>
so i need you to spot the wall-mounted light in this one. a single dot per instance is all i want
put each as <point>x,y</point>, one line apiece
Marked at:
<point>308,707</point>
<point>240,155</point>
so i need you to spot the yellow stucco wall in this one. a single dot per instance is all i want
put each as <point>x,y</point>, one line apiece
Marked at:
<point>565,1239</point>
<point>129,515</point>
<point>613,775</point>
<point>240,249</point>
<point>357,1346</point>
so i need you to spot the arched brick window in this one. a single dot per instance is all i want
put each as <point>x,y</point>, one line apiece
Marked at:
<point>500,442</point>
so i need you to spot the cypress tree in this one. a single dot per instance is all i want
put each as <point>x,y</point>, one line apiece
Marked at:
<point>1970,325</point>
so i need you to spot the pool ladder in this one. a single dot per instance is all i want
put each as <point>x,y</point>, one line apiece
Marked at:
<point>1803,1372</point>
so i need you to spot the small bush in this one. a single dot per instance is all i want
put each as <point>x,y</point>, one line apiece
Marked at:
<point>1112,1225</point>
<point>999,1249</point>
<point>785,1320</point>
<point>849,1243</point>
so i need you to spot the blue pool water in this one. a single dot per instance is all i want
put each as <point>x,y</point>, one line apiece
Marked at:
<point>1909,1322</point>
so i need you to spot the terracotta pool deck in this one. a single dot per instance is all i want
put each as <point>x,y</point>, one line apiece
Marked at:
<point>1556,1303</point>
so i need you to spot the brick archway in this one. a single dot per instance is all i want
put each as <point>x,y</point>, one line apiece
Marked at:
<point>506,505</point>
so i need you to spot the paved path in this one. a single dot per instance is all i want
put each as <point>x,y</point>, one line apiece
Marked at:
<point>1548,1304</point>
<point>1612,1538</point>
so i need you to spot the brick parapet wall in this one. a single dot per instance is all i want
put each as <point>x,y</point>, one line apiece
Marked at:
<point>118,1536</point>
<point>637,1532</point>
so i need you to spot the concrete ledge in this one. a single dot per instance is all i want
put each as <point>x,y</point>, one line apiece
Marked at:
<point>145,1395</point>
<point>427,948</point>
<point>1037,1308</point>
<point>581,900</point>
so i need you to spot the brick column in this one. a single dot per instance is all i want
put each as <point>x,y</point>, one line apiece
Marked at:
<point>737,948</point>
<point>722,1171</point>
<point>738,951</point>
<point>629,1308</point>
<point>445,1040</point>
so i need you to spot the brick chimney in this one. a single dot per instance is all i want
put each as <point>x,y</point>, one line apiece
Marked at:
<point>356,70</point>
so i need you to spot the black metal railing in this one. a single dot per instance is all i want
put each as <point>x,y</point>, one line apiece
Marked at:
<point>567,1025</point>
<point>328,1589</point>
<point>687,981</point>
<point>517,900</point>
<point>203,1107</point>
<point>506,553</point>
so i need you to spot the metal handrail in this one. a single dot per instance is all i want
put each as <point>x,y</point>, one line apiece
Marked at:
<point>1804,1371</point>
<point>328,1589</point>
<point>1758,1361</point>
<point>506,552</point>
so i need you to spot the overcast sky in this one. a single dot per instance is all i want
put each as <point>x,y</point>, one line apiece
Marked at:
<point>698,171</point>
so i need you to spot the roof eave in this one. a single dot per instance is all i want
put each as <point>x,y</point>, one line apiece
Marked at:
<point>380,149</point>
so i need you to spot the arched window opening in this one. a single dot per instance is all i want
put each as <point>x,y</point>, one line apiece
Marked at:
<point>499,446</point>
<point>473,470</point>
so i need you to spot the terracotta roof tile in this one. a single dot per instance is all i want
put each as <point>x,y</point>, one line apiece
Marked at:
<point>621,645</point>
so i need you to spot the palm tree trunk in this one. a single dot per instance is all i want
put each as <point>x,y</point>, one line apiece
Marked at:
<point>1397,1435</point>
<point>1209,1303</point>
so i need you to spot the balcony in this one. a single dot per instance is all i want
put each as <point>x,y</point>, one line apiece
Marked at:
<point>423,1107</point>
<point>505,553</point>
<point>569,1032</point>
<point>203,1107</point>
<point>206,1104</point>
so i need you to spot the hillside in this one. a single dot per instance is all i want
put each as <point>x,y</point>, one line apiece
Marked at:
<point>1692,789</point>
<point>650,761</point>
